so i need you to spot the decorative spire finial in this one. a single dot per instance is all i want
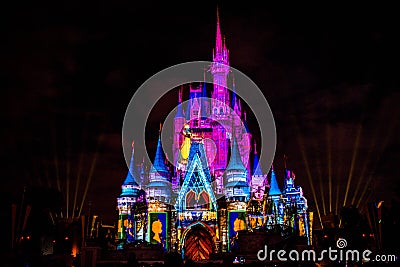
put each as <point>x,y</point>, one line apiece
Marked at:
<point>218,40</point>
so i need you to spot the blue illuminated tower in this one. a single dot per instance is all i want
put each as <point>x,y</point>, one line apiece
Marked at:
<point>275,216</point>
<point>237,188</point>
<point>131,195</point>
<point>299,218</point>
<point>159,187</point>
<point>159,197</point>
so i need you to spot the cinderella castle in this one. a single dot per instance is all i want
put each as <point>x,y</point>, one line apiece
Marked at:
<point>212,193</point>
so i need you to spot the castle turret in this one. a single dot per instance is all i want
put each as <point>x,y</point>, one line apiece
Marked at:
<point>274,187</point>
<point>159,187</point>
<point>130,195</point>
<point>237,188</point>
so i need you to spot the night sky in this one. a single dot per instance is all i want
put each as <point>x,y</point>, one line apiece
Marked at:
<point>69,70</point>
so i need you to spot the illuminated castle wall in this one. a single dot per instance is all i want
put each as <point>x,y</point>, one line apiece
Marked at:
<point>212,193</point>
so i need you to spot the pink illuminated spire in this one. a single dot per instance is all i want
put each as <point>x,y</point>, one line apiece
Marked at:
<point>220,50</point>
<point>220,70</point>
<point>218,39</point>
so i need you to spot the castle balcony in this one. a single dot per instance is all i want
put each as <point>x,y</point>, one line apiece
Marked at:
<point>189,216</point>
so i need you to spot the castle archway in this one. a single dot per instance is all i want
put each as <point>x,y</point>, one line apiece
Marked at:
<point>198,242</point>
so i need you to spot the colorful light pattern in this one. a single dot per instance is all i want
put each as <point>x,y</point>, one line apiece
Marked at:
<point>180,209</point>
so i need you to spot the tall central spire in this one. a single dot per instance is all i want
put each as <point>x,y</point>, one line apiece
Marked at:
<point>220,69</point>
<point>218,39</point>
<point>220,54</point>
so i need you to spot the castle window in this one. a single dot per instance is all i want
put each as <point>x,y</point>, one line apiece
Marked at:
<point>204,200</point>
<point>190,200</point>
<point>221,111</point>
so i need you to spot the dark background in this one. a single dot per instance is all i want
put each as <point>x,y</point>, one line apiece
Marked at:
<point>70,68</point>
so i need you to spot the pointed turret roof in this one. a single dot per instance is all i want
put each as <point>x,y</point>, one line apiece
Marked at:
<point>246,126</point>
<point>130,186</point>
<point>179,112</point>
<point>218,38</point>
<point>220,52</point>
<point>256,165</point>
<point>132,175</point>
<point>235,162</point>
<point>274,189</point>
<point>159,159</point>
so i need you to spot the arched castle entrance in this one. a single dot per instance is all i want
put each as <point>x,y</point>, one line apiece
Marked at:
<point>198,242</point>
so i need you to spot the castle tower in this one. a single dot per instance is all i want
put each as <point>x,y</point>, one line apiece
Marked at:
<point>131,195</point>
<point>159,187</point>
<point>220,107</point>
<point>237,188</point>
<point>159,197</point>
<point>220,69</point>
<point>179,122</point>
<point>297,203</point>
<point>275,204</point>
<point>195,101</point>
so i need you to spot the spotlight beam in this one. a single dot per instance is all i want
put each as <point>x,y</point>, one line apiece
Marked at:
<point>92,168</point>
<point>309,176</point>
<point>362,173</point>
<point>389,130</point>
<point>78,179</point>
<point>353,160</point>
<point>321,188</point>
